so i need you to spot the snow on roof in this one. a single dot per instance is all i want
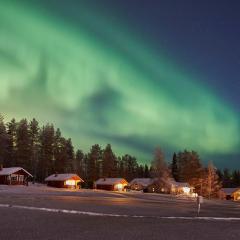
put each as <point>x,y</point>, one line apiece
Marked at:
<point>63,177</point>
<point>110,181</point>
<point>172,182</point>
<point>12,170</point>
<point>142,181</point>
<point>229,191</point>
<point>178,184</point>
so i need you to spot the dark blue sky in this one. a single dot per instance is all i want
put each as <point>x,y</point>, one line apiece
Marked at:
<point>204,35</point>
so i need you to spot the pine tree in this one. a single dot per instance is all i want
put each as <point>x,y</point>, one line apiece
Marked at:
<point>46,158</point>
<point>146,171</point>
<point>109,162</point>
<point>227,183</point>
<point>121,170</point>
<point>23,145</point>
<point>79,163</point>
<point>4,144</point>
<point>58,146</point>
<point>93,159</point>
<point>130,167</point>
<point>236,178</point>
<point>189,166</point>
<point>69,156</point>
<point>12,133</point>
<point>140,171</point>
<point>174,167</point>
<point>34,145</point>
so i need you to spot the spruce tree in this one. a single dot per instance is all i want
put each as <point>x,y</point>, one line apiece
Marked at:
<point>140,171</point>
<point>227,183</point>
<point>46,158</point>
<point>236,178</point>
<point>12,133</point>
<point>174,167</point>
<point>4,144</point>
<point>79,163</point>
<point>146,171</point>
<point>109,162</point>
<point>23,145</point>
<point>58,146</point>
<point>130,166</point>
<point>93,159</point>
<point>189,165</point>
<point>69,161</point>
<point>34,145</point>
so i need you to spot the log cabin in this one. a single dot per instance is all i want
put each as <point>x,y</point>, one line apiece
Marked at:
<point>230,194</point>
<point>111,184</point>
<point>64,180</point>
<point>140,184</point>
<point>14,176</point>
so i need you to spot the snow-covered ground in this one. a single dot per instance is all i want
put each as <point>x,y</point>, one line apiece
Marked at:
<point>40,212</point>
<point>38,188</point>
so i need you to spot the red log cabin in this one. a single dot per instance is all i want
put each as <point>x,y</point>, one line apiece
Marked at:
<point>111,184</point>
<point>64,180</point>
<point>14,176</point>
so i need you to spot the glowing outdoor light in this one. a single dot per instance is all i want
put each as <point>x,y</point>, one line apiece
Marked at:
<point>70,182</point>
<point>186,190</point>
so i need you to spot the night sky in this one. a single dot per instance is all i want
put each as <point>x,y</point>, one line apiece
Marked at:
<point>136,74</point>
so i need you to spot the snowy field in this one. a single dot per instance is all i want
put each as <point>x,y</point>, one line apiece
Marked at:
<point>41,212</point>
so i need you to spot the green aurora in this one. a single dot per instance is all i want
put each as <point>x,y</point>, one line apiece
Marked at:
<point>101,84</point>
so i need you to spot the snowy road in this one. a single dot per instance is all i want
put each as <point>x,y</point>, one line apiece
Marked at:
<point>46,213</point>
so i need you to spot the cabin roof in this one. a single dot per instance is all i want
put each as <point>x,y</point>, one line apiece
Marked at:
<point>12,170</point>
<point>180,184</point>
<point>171,182</point>
<point>229,191</point>
<point>63,177</point>
<point>142,181</point>
<point>110,181</point>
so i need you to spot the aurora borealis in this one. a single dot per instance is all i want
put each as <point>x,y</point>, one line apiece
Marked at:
<point>101,83</point>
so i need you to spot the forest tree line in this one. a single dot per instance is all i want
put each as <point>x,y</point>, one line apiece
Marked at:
<point>42,150</point>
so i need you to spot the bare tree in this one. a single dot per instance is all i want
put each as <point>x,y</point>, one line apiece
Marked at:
<point>213,184</point>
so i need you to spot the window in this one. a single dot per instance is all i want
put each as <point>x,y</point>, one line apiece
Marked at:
<point>14,177</point>
<point>20,178</point>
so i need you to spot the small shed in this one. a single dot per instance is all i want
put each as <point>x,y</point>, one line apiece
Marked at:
<point>64,180</point>
<point>111,184</point>
<point>14,176</point>
<point>140,183</point>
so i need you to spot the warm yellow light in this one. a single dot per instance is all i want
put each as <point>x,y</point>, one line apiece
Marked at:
<point>186,190</point>
<point>70,182</point>
<point>119,186</point>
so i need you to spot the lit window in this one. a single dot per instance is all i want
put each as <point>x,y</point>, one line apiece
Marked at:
<point>119,186</point>
<point>70,182</point>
